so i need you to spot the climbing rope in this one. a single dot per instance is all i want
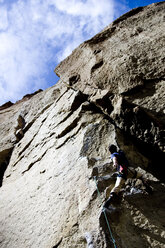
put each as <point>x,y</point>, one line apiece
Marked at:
<point>112,238</point>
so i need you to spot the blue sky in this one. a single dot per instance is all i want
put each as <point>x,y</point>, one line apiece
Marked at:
<point>35,35</point>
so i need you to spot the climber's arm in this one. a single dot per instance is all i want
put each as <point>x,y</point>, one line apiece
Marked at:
<point>115,163</point>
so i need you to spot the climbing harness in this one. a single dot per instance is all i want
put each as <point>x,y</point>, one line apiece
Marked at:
<point>98,192</point>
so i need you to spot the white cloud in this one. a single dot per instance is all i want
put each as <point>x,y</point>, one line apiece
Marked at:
<point>3,19</point>
<point>89,8</point>
<point>33,33</point>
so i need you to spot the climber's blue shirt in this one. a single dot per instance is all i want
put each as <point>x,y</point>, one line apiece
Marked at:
<point>115,154</point>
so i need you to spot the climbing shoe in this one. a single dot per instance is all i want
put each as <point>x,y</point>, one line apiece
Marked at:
<point>109,209</point>
<point>110,200</point>
<point>148,188</point>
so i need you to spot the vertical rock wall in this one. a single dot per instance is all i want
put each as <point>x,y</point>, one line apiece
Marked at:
<point>111,90</point>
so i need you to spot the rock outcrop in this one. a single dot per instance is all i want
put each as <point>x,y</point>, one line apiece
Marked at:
<point>53,144</point>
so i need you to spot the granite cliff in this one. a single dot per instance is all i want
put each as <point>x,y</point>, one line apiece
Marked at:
<point>53,143</point>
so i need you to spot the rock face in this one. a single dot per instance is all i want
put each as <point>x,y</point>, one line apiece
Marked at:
<point>111,90</point>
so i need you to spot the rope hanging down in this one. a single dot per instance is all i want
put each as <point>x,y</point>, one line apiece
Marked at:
<point>113,240</point>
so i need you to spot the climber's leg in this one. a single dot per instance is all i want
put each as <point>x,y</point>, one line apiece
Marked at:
<point>118,185</point>
<point>132,173</point>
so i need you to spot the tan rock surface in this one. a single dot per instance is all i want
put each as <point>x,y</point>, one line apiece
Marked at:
<point>52,144</point>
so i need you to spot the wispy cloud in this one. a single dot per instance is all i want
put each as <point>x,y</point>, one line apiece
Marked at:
<point>35,33</point>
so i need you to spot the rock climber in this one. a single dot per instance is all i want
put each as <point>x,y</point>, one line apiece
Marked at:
<point>120,162</point>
